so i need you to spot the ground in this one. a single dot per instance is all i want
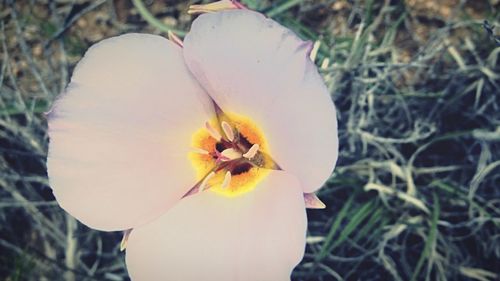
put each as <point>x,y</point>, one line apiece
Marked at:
<point>415,195</point>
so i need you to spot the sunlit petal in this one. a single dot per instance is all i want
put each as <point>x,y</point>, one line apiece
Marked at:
<point>251,65</point>
<point>256,236</point>
<point>121,133</point>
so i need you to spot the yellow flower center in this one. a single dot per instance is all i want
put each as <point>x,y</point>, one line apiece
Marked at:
<point>230,155</point>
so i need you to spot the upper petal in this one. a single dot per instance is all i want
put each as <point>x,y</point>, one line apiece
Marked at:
<point>120,134</point>
<point>256,236</point>
<point>253,66</point>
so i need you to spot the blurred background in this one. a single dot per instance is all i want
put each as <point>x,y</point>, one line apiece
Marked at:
<point>415,195</point>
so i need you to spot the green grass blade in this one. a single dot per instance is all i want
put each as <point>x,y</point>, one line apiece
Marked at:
<point>333,229</point>
<point>430,242</point>
<point>356,219</point>
<point>283,7</point>
<point>370,224</point>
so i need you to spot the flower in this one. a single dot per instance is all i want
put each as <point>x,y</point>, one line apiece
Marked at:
<point>204,150</point>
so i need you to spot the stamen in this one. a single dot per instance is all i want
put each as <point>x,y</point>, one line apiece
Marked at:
<point>228,130</point>
<point>231,154</point>
<point>199,151</point>
<point>213,132</point>
<point>204,183</point>
<point>227,180</point>
<point>251,152</point>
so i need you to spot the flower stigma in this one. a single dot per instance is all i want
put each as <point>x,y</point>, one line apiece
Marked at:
<point>230,155</point>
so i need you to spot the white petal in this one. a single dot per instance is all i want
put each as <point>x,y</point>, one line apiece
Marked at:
<point>251,65</point>
<point>256,236</point>
<point>121,133</point>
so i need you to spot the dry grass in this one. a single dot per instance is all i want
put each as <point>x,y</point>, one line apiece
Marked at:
<point>415,196</point>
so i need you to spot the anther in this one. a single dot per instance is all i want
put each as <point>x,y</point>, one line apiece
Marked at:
<point>228,131</point>
<point>199,151</point>
<point>251,152</point>
<point>212,131</point>
<point>231,154</point>
<point>204,183</point>
<point>226,181</point>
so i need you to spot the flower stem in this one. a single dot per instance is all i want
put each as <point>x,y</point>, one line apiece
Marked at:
<point>143,11</point>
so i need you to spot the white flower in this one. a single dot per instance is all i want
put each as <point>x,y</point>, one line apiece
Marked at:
<point>204,151</point>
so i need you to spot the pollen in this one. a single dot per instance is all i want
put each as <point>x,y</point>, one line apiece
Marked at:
<point>234,164</point>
